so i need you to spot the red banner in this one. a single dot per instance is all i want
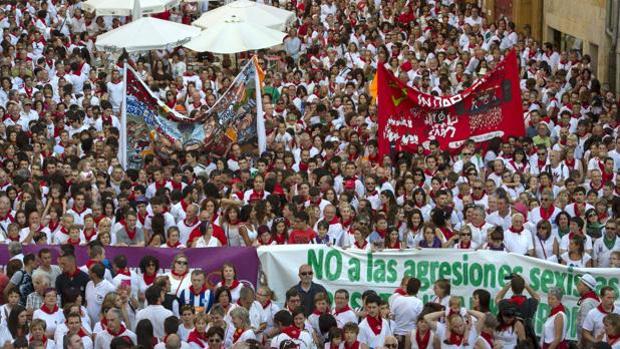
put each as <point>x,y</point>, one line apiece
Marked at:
<point>490,108</point>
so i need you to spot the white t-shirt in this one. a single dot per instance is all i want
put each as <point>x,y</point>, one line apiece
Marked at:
<point>594,321</point>
<point>406,310</point>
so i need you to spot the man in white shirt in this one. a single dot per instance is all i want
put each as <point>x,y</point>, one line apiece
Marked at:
<point>593,329</point>
<point>342,312</point>
<point>284,321</point>
<point>96,290</point>
<point>374,328</point>
<point>155,312</point>
<point>604,246</point>
<point>518,239</point>
<point>406,309</point>
<point>114,329</point>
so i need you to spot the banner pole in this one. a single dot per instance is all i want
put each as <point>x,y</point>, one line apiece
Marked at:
<point>123,134</point>
<point>260,119</point>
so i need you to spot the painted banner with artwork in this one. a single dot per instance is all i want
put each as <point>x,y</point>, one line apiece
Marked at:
<point>150,125</point>
<point>467,271</point>
<point>208,259</point>
<point>490,108</point>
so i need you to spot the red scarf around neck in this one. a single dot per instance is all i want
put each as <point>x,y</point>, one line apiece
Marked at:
<point>292,331</point>
<point>547,213</point>
<point>198,338</point>
<point>590,294</point>
<point>422,340</point>
<point>557,309</point>
<point>148,279</point>
<point>602,310</point>
<point>120,331</point>
<point>375,324</point>
<point>342,310</point>
<point>354,345</point>
<point>487,337</point>
<point>49,311</point>
<point>237,334</point>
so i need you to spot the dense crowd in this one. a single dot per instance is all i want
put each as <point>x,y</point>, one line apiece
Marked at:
<point>552,194</point>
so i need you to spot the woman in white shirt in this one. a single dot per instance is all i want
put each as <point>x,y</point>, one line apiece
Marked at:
<point>50,312</point>
<point>207,239</point>
<point>359,238</point>
<point>576,256</point>
<point>554,329</point>
<point>546,244</point>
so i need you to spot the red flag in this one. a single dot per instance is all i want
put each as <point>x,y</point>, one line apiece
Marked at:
<point>490,108</point>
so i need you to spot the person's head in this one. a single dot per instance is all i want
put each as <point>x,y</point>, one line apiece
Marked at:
<point>144,332</point>
<point>228,272</point>
<point>74,322</point>
<point>37,328</point>
<point>481,300</point>
<point>390,342</point>
<point>173,341</point>
<point>180,263</point>
<point>350,330</point>
<point>113,317</point>
<point>72,341</point>
<point>154,295</point>
<point>554,296</point>
<point>216,336</point>
<point>442,288</point>
<point>293,298</point>
<point>413,286</point>
<point>341,298</point>
<point>321,302</point>
<point>305,273</point>
<point>372,304</point>
<point>201,322</point>
<point>18,320</point>
<point>517,284</point>
<point>587,283</point>
<point>223,296</point>
<point>490,322</point>
<point>611,324</point>
<point>608,296</point>
<point>283,319</point>
<point>240,318</point>
<point>198,279</point>
<point>456,324</point>
<point>13,296</point>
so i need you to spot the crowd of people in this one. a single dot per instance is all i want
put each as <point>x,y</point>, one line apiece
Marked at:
<point>551,194</point>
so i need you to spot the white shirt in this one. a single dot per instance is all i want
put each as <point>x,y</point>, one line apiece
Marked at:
<point>51,320</point>
<point>602,254</point>
<point>94,297</point>
<point>548,333</point>
<point>304,341</point>
<point>156,314</point>
<point>406,310</point>
<point>594,321</point>
<point>104,338</point>
<point>344,317</point>
<point>368,337</point>
<point>518,243</point>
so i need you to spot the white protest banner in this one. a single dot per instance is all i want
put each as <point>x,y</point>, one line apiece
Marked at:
<point>467,271</point>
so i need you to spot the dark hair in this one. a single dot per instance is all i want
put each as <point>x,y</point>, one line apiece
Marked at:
<point>171,324</point>
<point>484,299</point>
<point>152,294</point>
<point>146,260</point>
<point>144,334</point>
<point>373,298</point>
<point>219,291</point>
<point>283,318</point>
<point>215,331</point>
<point>13,322</point>
<point>413,286</point>
<point>123,342</point>
<point>517,284</point>
<point>98,269</point>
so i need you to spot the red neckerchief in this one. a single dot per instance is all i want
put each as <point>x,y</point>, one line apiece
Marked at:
<point>82,333</point>
<point>514,230</point>
<point>233,284</point>
<point>64,231</point>
<point>257,195</point>
<point>201,291</point>
<point>354,345</point>
<point>78,71</point>
<point>90,263</point>
<point>49,311</point>
<point>611,340</point>
<point>237,334</point>
<point>422,341</point>
<point>131,233</point>
<point>602,310</point>
<point>160,185</point>
<point>177,186</point>
<point>280,239</point>
<point>148,279</point>
<point>577,209</point>
<point>363,246</point>
<point>487,337</point>
<point>177,274</point>
<point>70,241</point>
<point>597,187</point>
<point>464,245</point>
<point>124,271</point>
<point>558,309</point>
<point>334,220</point>
<point>88,236</point>
<point>547,213</point>
<point>342,310</point>
<point>292,331</point>
<point>198,338</point>
<point>44,340</point>
<point>517,299</point>
<point>400,291</point>
<point>394,245</point>
<point>590,294</point>
<point>455,339</point>
<point>79,212</point>
<point>318,312</point>
<point>267,304</point>
<point>375,324</point>
<point>120,331</point>
<point>382,232</point>
<point>13,238</point>
<point>183,204</point>
<point>190,223</point>
<point>75,273</point>
<point>7,216</point>
<point>176,244</point>
<point>478,197</point>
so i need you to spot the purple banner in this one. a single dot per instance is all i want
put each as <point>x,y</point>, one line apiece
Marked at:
<point>245,259</point>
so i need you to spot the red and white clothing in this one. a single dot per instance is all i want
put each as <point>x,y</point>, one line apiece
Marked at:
<point>104,338</point>
<point>127,277</point>
<point>422,341</point>
<point>344,315</point>
<point>243,335</point>
<point>372,331</point>
<point>235,289</point>
<point>252,195</point>
<point>594,320</point>
<point>613,341</point>
<point>548,333</point>
<point>178,210</point>
<point>78,215</point>
<point>537,214</point>
<point>574,210</point>
<point>52,317</point>
<point>185,229</point>
<point>518,241</point>
<point>302,338</point>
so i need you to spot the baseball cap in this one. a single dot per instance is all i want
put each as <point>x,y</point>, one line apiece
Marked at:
<point>589,281</point>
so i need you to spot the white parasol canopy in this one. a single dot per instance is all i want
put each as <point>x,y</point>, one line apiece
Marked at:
<point>233,35</point>
<point>145,34</point>
<point>126,7</point>
<point>250,11</point>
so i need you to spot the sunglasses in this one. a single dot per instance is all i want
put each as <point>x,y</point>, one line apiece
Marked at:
<point>215,340</point>
<point>391,345</point>
<point>465,234</point>
<point>181,262</point>
<point>306,273</point>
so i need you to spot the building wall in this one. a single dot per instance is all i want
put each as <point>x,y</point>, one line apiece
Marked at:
<point>584,20</point>
<point>522,12</point>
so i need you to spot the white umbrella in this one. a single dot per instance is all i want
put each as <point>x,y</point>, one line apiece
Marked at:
<point>147,33</point>
<point>250,11</point>
<point>125,7</point>
<point>234,35</point>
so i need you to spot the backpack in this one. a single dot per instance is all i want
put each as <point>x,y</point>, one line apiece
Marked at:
<point>25,287</point>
